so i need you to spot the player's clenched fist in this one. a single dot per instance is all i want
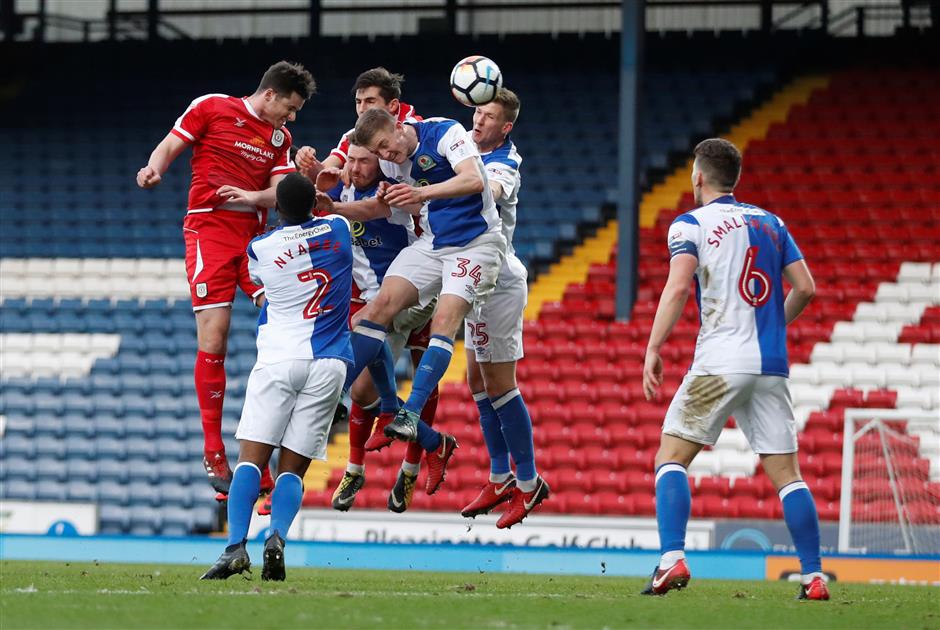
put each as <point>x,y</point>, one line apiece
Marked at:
<point>401,195</point>
<point>328,178</point>
<point>307,162</point>
<point>148,177</point>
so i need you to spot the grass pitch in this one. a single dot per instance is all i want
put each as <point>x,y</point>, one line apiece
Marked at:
<point>80,595</point>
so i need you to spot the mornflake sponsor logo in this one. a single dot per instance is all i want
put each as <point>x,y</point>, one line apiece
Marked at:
<point>253,149</point>
<point>308,233</point>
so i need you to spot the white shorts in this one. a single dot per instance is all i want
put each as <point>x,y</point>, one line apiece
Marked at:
<point>761,407</point>
<point>495,335</point>
<point>469,272</point>
<point>291,404</point>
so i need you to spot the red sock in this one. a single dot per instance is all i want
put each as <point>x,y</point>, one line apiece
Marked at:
<point>360,428</point>
<point>209,375</point>
<point>414,452</point>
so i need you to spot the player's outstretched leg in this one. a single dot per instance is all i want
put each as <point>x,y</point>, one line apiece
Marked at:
<point>428,374</point>
<point>399,498</point>
<point>285,502</point>
<point>499,487</point>
<point>799,512</point>
<point>516,425</point>
<point>246,484</point>
<point>673,508</point>
<point>382,371</point>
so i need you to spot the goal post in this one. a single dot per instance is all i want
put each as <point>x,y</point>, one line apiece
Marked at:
<point>890,495</point>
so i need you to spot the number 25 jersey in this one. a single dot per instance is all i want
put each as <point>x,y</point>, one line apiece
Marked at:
<point>306,271</point>
<point>741,251</point>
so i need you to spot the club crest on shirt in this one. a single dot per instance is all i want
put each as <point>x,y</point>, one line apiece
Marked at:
<point>425,162</point>
<point>202,290</point>
<point>277,138</point>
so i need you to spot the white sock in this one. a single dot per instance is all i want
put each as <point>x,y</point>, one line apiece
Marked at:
<point>499,478</point>
<point>527,485</point>
<point>670,558</point>
<point>805,579</point>
<point>411,469</point>
<point>355,469</point>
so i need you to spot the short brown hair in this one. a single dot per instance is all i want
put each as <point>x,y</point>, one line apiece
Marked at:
<point>370,123</point>
<point>720,161</point>
<point>389,84</point>
<point>285,78</point>
<point>508,100</point>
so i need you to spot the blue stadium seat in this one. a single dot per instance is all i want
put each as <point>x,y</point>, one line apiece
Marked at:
<point>47,490</point>
<point>114,519</point>
<point>80,448</point>
<point>114,493</point>
<point>16,469</point>
<point>17,446</point>
<point>108,469</point>
<point>79,490</point>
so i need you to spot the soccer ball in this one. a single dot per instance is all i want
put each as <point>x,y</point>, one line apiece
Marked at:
<point>475,80</point>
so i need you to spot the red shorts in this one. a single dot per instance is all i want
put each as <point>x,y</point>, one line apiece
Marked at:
<point>216,256</point>
<point>419,338</point>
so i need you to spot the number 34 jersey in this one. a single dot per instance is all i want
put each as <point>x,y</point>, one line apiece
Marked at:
<point>741,251</point>
<point>306,271</point>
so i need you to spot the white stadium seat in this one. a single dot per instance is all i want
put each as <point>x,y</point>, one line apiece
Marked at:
<point>67,267</point>
<point>909,313</point>
<point>14,286</point>
<point>935,271</point>
<point>732,440</point>
<point>96,267</point>
<point>914,272</point>
<point>15,342</point>
<point>39,266</point>
<point>859,353</point>
<point>15,364</point>
<point>886,331</point>
<point>804,373</point>
<point>737,464</point>
<point>928,353</point>
<point>866,375</point>
<point>815,396</point>
<point>830,352</point>
<point>832,374</point>
<point>926,293</point>
<point>911,396</point>
<point>705,464</point>
<point>897,375</point>
<point>47,342</point>
<point>929,375</point>
<point>175,267</point>
<point>76,342</point>
<point>870,312</point>
<point>891,292</point>
<point>848,331</point>
<point>105,344</point>
<point>149,267</point>
<point>892,353</point>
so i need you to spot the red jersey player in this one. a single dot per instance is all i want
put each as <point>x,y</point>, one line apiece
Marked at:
<point>240,153</point>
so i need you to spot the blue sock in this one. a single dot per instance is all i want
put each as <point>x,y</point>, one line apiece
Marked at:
<point>428,438</point>
<point>433,364</point>
<point>382,371</point>
<point>516,428</point>
<point>242,494</point>
<point>367,339</point>
<point>285,501</point>
<point>492,435</point>
<point>799,511</point>
<point>673,506</point>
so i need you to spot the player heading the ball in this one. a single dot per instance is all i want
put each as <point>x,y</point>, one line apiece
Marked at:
<point>241,150</point>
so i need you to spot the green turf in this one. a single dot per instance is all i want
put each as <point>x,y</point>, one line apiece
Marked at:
<point>62,595</point>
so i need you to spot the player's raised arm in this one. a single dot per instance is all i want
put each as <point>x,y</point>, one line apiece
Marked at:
<point>161,158</point>
<point>467,181</point>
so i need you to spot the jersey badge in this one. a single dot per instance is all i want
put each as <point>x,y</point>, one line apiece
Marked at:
<point>202,290</point>
<point>425,162</point>
<point>277,138</point>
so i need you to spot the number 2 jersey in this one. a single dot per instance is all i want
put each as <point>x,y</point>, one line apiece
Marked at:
<point>306,271</point>
<point>741,251</point>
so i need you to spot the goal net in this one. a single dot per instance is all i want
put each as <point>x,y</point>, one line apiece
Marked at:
<point>890,501</point>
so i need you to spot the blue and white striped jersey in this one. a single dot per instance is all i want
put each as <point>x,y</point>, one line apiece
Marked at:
<point>375,243</point>
<point>742,251</point>
<point>442,145</point>
<point>306,271</point>
<point>502,165</point>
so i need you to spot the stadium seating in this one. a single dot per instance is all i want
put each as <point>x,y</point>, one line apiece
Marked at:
<point>97,337</point>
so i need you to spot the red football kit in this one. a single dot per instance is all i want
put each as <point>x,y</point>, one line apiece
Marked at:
<point>232,146</point>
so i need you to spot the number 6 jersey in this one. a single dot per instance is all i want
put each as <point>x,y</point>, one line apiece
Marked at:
<point>741,251</point>
<point>306,271</point>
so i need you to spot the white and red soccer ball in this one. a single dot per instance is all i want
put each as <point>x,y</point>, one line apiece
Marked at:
<point>475,80</point>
